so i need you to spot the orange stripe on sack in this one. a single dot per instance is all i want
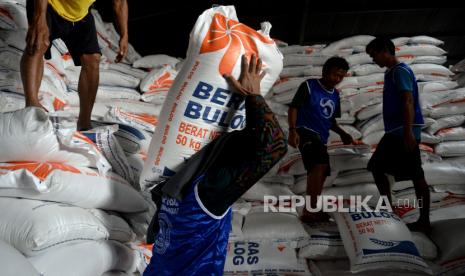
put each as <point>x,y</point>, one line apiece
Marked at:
<point>309,50</point>
<point>281,80</point>
<point>158,90</point>
<point>58,104</point>
<point>445,131</point>
<point>458,101</point>
<point>53,69</point>
<point>142,117</point>
<point>104,39</point>
<point>66,56</point>
<point>6,13</point>
<point>407,56</point>
<point>438,75</point>
<point>162,82</point>
<point>79,136</point>
<point>426,148</point>
<point>40,170</point>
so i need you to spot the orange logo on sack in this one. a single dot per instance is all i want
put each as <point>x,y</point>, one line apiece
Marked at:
<point>66,57</point>
<point>161,84</point>
<point>40,170</point>
<point>230,34</point>
<point>58,104</point>
<point>144,117</point>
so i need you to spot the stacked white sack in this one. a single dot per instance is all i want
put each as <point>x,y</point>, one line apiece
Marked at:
<point>58,91</point>
<point>60,183</point>
<point>459,71</point>
<point>85,173</point>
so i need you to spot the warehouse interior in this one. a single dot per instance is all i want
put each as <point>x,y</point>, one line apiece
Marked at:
<point>298,22</point>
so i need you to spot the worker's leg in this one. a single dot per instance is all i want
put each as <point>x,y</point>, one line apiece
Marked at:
<point>87,88</point>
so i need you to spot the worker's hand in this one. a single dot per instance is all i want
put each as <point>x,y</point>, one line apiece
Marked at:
<point>37,38</point>
<point>123,49</point>
<point>347,139</point>
<point>250,77</point>
<point>294,138</point>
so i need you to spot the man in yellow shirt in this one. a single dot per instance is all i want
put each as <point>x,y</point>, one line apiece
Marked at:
<point>71,21</point>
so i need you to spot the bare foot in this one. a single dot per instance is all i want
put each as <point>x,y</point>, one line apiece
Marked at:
<point>36,104</point>
<point>83,128</point>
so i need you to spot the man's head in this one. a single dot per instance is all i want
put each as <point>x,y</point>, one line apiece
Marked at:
<point>381,50</point>
<point>334,71</point>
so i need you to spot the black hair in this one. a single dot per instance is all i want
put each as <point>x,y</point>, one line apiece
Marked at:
<point>335,62</point>
<point>380,44</point>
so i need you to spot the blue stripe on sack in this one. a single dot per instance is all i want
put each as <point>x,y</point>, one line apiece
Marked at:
<point>91,136</point>
<point>406,247</point>
<point>133,131</point>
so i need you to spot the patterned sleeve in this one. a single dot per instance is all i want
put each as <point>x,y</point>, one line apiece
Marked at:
<point>269,140</point>
<point>246,159</point>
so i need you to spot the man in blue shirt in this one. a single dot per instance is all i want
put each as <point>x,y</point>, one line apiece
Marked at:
<point>311,115</point>
<point>398,152</point>
<point>194,217</point>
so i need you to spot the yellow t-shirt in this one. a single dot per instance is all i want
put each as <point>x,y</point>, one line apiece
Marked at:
<point>71,10</point>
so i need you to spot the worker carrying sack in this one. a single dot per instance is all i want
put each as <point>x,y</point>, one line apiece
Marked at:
<point>199,105</point>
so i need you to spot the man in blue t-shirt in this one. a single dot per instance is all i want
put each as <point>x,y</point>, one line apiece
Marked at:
<point>398,152</point>
<point>311,115</point>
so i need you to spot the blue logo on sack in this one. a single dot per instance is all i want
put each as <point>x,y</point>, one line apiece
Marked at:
<point>406,247</point>
<point>216,106</point>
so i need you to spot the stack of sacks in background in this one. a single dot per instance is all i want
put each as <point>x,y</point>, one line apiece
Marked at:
<point>62,202</point>
<point>93,191</point>
<point>288,178</point>
<point>361,104</point>
<point>443,102</point>
<point>459,71</point>
<point>276,235</point>
<point>130,93</point>
<point>13,26</point>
